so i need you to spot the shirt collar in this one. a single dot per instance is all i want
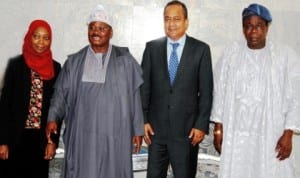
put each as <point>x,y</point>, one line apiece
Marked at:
<point>181,40</point>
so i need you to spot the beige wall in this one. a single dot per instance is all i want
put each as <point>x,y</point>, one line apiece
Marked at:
<point>217,22</point>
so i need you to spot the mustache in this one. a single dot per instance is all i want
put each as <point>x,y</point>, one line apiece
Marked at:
<point>94,35</point>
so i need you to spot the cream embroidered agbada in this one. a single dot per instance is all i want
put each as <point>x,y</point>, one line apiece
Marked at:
<point>256,97</point>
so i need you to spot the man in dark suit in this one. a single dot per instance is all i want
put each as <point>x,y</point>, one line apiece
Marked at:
<point>176,104</point>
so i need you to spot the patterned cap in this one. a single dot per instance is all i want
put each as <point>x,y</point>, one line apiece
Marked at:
<point>99,14</point>
<point>259,10</point>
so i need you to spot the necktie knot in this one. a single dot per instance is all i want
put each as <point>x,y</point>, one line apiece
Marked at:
<point>175,46</point>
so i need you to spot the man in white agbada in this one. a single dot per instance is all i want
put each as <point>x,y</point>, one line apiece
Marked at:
<point>97,95</point>
<point>256,103</point>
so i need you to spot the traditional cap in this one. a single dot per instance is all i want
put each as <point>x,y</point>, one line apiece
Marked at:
<point>259,10</point>
<point>101,15</point>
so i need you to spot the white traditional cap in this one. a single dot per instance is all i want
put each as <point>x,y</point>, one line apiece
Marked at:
<point>101,15</point>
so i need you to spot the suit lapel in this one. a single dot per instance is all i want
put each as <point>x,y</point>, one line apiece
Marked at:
<point>164,62</point>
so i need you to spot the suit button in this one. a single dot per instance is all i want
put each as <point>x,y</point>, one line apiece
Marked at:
<point>170,107</point>
<point>171,91</point>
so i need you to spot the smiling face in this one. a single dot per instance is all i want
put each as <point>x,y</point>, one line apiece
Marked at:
<point>40,40</point>
<point>255,30</point>
<point>175,22</point>
<point>99,34</point>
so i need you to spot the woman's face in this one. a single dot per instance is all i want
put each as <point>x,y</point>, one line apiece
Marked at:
<point>40,40</point>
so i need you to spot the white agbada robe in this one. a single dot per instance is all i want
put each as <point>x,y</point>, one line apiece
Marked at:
<point>256,97</point>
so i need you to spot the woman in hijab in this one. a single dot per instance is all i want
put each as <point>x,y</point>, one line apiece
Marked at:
<point>24,103</point>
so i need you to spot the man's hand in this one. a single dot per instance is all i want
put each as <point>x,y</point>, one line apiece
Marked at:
<point>4,151</point>
<point>148,132</point>
<point>50,151</point>
<point>137,143</point>
<point>51,128</point>
<point>218,136</point>
<point>284,145</point>
<point>196,135</point>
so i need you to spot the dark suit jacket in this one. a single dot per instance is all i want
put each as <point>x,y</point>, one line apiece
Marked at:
<point>174,110</point>
<point>14,102</point>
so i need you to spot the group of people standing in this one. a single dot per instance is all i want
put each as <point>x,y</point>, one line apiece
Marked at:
<point>110,104</point>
